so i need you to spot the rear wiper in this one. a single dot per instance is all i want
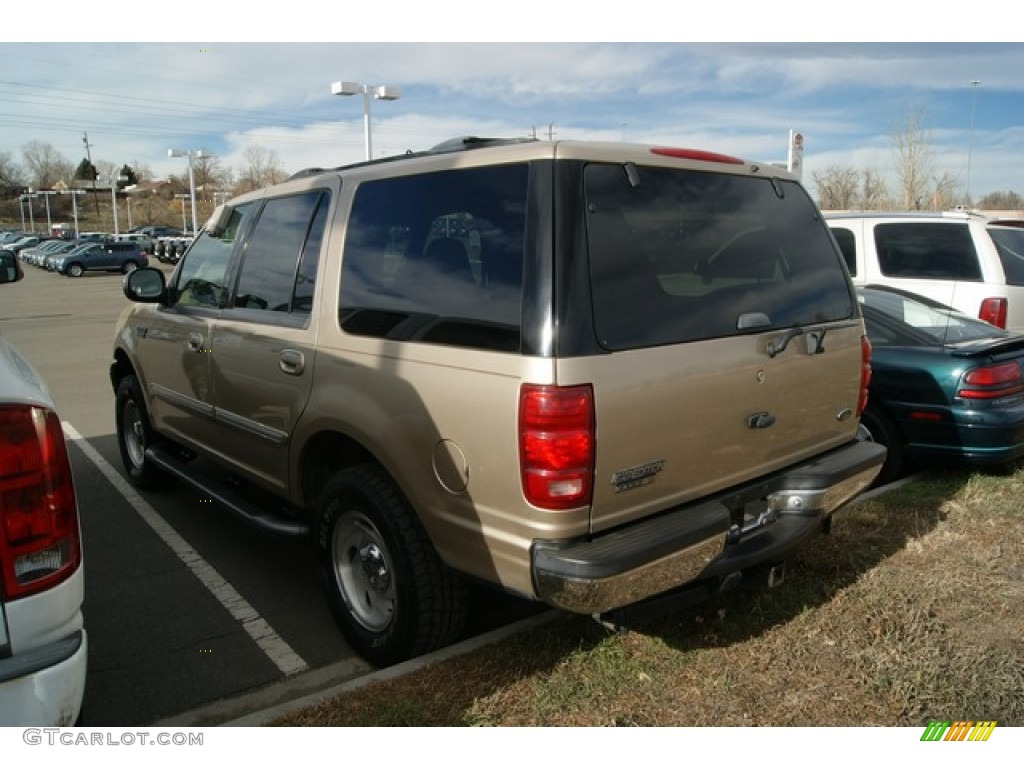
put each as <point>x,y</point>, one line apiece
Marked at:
<point>815,341</point>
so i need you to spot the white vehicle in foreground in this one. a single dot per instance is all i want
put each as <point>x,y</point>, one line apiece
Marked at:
<point>43,644</point>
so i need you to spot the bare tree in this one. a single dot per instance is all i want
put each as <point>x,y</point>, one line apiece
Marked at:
<point>11,176</point>
<point>143,171</point>
<point>262,168</point>
<point>107,170</point>
<point>843,188</point>
<point>944,194</point>
<point>837,187</point>
<point>874,194</point>
<point>210,174</point>
<point>912,155</point>
<point>1001,201</point>
<point>44,165</point>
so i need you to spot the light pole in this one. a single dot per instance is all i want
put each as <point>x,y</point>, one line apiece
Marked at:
<point>190,154</point>
<point>382,92</point>
<point>184,224</point>
<point>128,191</point>
<point>970,137</point>
<point>31,214</point>
<point>49,222</point>
<point>113,198</point>
<point>74,206</point>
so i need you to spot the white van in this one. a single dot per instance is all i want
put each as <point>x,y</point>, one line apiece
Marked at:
<point>961,259</point>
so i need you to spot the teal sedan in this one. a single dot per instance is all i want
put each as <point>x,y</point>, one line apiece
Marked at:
<point>944,385</point>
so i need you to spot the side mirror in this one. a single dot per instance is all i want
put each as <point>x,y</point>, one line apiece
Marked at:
<point>145,285</point>
<point>10,267</point>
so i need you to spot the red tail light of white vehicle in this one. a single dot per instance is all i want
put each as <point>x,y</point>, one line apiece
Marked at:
<point>39,544</point>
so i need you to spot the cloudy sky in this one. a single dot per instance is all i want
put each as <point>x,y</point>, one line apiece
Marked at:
<point>136,100</point>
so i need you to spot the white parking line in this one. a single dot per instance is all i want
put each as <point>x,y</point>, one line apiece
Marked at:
<point>276,649</point>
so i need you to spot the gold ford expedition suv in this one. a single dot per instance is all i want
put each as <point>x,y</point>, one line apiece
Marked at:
<point>589,374</point>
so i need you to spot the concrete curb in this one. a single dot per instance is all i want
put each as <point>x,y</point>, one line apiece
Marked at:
<point>267,704</point>
<point>269,714</point>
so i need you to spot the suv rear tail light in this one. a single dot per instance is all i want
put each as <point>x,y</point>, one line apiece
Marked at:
<point>865,374</point>
<point>556,445</point>
<point>993,311</point>
<point>39,540</point>
<point>991,381</point>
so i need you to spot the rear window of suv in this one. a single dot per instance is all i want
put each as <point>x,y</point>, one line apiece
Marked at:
<point>1010,246</point>
<point>679,255</point>
<point>437,258</point>
<point>927,250</point>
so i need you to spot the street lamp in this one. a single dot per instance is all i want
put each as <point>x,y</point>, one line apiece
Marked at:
<point>382,92</point>
<point>74,206</point>
<point>128,191</point>
<point>190,154</point>
<point>49,222</point>
<point>29,197</point>
<point>970,139</point>
<point>184,224</point>
<point>113,198</point>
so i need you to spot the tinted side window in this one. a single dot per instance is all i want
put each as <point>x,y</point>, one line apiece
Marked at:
<point>927,250</point>
<point>1010,246</point>
<point>201,275</point>
<point>267,278</point>
<point>309,260</point>
<point>848,245</point>
<point>437,258</point>
<point>680,255</point>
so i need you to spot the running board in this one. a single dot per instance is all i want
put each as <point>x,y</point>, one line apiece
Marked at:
<point>224,494</point>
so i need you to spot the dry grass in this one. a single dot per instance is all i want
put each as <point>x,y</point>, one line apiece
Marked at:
<point>910,610</point>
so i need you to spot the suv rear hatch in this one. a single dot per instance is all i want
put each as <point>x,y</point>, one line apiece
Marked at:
<point>728,340</point>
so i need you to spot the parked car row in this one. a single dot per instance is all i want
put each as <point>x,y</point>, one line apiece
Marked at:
<point>74,259</point>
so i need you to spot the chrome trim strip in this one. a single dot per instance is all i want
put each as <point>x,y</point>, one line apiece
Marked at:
<point>182,401</point>
<point>262,431</point>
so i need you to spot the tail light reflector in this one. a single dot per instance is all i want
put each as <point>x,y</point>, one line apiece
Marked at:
<point>556,445</point>
<point>991,381</point>
<point>39,539</point>
<point>993,311</point>
<point>865,374</point>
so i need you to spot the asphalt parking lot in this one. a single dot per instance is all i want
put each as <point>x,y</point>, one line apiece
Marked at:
<point>187,608</point>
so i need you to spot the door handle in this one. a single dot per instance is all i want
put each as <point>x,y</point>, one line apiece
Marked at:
<point>292,362</point>
<point>195,342</point>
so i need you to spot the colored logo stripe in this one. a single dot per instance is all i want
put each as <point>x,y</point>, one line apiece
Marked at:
<point>961,730</point>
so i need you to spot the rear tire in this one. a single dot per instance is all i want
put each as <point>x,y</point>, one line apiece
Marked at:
<point>389,592</point>
<point>128,267</point>
<point>135,435</point>
<point>878,426</point>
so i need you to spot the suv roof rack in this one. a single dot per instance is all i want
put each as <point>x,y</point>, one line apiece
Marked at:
<point>457,144</point>
<point>460,143</point>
